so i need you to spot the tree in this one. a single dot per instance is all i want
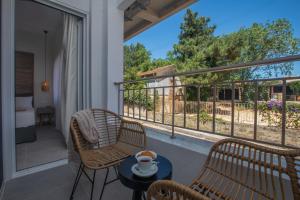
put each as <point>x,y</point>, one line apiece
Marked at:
<point>160,62</point>
<point>196,34</point>
<point>259,42</point>
<point>137,56</point>
<point>191,52</point>
<point>295,87</point>
<point>138,59</point>
<point>198,48</point>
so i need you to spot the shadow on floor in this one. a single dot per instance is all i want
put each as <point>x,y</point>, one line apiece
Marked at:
<point>49,147</point>
<point>57,183</point>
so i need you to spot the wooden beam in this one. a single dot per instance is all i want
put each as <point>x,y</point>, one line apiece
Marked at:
<point>175,7</point>
<point>149,15</point>
<point>165,12</point>
<point>136,29</point>
<point>125,4</point>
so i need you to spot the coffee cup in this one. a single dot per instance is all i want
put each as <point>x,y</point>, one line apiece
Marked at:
<point>145,163</point>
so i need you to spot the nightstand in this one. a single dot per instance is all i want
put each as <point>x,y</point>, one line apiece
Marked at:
<point>46,115</point>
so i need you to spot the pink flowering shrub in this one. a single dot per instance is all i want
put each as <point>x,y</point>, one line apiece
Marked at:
<point>271,112</point>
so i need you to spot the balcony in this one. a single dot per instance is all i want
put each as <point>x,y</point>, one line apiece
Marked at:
<point>57,183</point>
<point>183,128</point>
<point>263,108</point>
<point>187,155</point>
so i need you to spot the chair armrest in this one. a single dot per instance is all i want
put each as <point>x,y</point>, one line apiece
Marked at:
<point>132,133</point>
<point>170,190</point>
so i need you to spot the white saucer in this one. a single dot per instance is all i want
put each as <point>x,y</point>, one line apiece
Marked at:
<point>145,174</point>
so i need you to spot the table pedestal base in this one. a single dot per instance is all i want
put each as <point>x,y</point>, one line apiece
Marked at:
<point>138,195</point>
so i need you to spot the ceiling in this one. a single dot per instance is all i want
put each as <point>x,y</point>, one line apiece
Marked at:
<point>143,14</point>
<point>34,17</point>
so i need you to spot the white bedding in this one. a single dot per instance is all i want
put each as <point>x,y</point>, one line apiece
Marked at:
<point>25,118</point>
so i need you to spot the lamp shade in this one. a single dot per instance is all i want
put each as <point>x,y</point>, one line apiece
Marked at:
<point>45,86</point>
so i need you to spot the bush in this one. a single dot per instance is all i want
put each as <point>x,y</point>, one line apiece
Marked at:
<point>271,112</point>
<point>204,117</point>
<point>140,99</point>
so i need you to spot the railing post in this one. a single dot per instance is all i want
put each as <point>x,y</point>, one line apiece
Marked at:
<point>123,95</point>
<point>255,110</point>
<point>283,111</point>
<point>128,95</point>
<point>198,106</point>
<point>184,107</point>
<point>173,106</point>
<point>133,103</point>
<point>154,102</point>
<point>163,106</point>
<point>119,98</point>
<point>214,108</point>
<point>146,104</point>
<point>232,107</point>
<point>140,103</point>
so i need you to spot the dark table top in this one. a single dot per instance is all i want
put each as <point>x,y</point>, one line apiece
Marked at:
<point>136,183</point>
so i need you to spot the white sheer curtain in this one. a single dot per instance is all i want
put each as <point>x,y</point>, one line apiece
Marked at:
<point>57,86</point>
<point>66,75</point>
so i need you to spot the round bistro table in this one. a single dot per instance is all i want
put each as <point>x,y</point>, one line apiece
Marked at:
<point>138,184</point>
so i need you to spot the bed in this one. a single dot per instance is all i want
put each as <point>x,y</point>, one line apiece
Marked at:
<point>25,120</point>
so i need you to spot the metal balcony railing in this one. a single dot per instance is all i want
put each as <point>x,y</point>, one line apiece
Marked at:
<point>264,110</point>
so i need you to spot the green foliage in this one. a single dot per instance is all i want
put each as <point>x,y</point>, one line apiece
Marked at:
<point>205,93</point>
<point>295,86</point>
<point>248,91</point>
<point>204,117</point>
<point>259,42</point>
<point>293,115</point>
<point>156,63</point>
<point>136,59</point>
<point>195,34</point>
<point>138,99</point>
<point>137,56</point>
<point>131,75</point>
<point>271,112</point>
<point>198,48</point>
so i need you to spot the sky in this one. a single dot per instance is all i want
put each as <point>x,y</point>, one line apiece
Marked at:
<point>228,15</point>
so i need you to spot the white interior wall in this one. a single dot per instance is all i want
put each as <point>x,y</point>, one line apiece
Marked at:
<point>34,43</point>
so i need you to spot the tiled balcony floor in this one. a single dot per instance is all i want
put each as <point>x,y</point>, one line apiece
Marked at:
<point>56,184</point>
<point>49,147</point>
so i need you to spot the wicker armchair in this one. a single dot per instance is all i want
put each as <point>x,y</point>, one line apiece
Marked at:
<point>236,169</point>
<point>118,140</point>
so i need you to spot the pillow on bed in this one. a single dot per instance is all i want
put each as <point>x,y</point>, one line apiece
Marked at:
<point>24,102</point>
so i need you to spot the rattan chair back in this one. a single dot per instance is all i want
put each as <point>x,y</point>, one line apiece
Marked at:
<point>236,169</point>
<point>108,125</point>
<point>117,140</point>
